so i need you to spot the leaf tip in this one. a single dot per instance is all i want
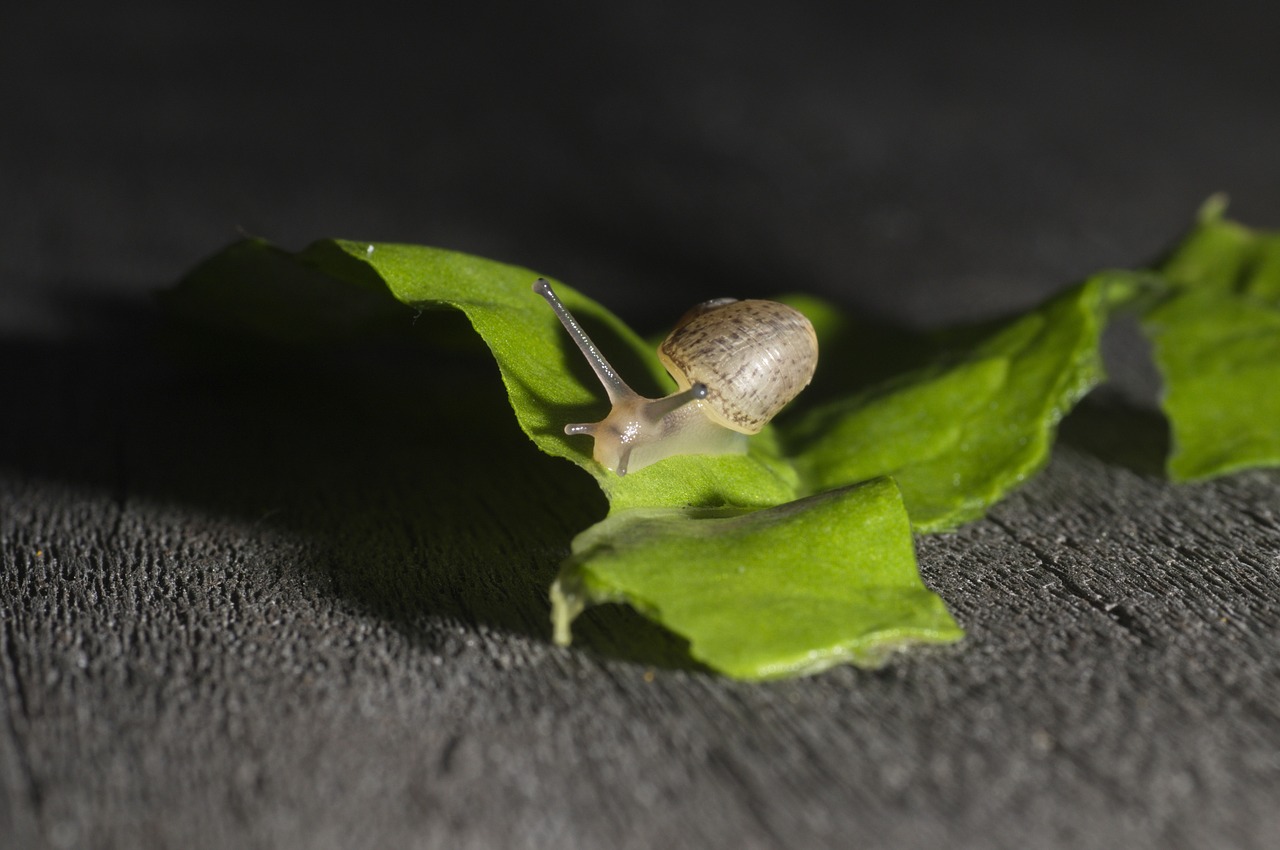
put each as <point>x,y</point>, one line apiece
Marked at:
<point>1213,208</point>
<point>566,604</point>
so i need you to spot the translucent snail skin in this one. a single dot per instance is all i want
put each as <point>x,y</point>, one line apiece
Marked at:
<point>735,363</point>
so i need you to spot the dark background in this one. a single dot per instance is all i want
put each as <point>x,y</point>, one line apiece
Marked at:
<point>239,609</point>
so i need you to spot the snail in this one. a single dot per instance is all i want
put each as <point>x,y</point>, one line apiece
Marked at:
<point>735,363</point>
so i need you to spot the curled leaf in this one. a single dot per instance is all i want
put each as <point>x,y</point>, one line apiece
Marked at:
<point>958,437</point>
<point>339,287</point>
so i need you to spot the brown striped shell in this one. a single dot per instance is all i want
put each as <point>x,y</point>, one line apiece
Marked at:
<point>753,356</point>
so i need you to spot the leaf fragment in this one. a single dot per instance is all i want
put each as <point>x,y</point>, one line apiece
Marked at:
<point>1216,339</point>
<point>783,591</point>
<point>958,437</point>
<point>1225,256</point>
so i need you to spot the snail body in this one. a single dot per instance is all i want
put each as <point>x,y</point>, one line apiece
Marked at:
<point>735,363</point>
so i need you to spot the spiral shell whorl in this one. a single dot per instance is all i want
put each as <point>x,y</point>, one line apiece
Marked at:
<point>754,357</point>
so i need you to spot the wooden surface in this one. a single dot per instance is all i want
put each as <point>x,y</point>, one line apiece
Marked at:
<point>265,602</point>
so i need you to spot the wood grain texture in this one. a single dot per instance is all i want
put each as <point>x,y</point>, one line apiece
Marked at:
<point>238,607</point>
<point>259,625</point>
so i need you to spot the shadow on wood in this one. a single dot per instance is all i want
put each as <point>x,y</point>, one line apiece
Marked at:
<point>396,465</point>
<point>1116,432</point>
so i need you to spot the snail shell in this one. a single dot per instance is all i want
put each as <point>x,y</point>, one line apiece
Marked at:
<point>736,364</point>
<point>753,356</point>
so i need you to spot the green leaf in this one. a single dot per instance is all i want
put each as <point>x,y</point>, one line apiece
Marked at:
<point>784,591</point>
<point>1220,358</point>
<point>1225,256</point>
<point>957,438</point>
<point>1216,340</point>
<point>253,290</point>
<point>546,379</point>
<point>339,287</point>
